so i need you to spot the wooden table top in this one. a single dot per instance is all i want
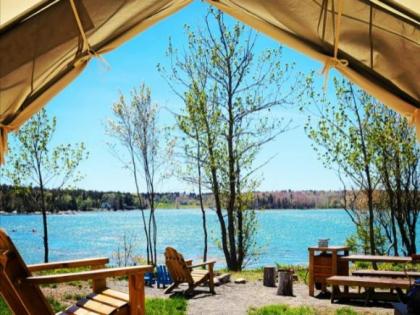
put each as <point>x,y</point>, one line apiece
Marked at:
<point>376,258</point>
<point>329,248</point>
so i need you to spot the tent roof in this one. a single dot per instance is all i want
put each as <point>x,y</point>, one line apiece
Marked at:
<point>374,43</point>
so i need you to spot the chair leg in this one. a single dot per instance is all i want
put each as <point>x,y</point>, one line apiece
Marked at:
<point>190,290</point>
<point>211,285</point>
<point>171,287</point>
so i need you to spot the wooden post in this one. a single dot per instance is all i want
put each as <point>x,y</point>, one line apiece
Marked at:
<point>269,276</point>
<point>136,294</point>
<point>311,272</point>
<point>285,283</point>
<point>98,285</point>
<point>346,287</point>
<point>211,279</point>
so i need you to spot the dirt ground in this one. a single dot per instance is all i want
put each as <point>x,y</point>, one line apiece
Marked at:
<point>236,299</point>
<point>230,298</point>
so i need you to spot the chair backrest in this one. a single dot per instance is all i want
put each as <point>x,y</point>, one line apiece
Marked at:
<point>163,275</point>
<point>177,266</point>
<point>21,297</point>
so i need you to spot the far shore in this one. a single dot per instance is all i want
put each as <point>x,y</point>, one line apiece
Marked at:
<point>74,212</point>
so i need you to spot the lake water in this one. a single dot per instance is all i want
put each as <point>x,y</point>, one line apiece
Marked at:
<point>283,235</point>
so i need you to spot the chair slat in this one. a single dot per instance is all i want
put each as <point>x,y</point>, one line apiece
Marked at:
<point>104,299</point>
<point>95,306</point>
<point>116,294</point>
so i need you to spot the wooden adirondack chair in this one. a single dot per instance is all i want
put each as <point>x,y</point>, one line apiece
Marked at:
<point>182,272</point>
<point>20,289</point>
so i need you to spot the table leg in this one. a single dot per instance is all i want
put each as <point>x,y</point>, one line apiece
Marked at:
<point>311,273</point>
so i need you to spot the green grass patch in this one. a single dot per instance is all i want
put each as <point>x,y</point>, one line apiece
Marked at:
<point>257,274</point>
<point>346,311</point>
<point>60,271</point>
<point>172,306</point>
<point>280,309</point>
<point>247,274</point>
<point>4,309</point>
<point>386,266</point>
<point>56,306</point>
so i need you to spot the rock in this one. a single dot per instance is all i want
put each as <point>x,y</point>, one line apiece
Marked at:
<point>240,281</point>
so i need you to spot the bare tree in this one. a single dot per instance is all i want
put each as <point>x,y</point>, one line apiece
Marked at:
<point>135,128</point>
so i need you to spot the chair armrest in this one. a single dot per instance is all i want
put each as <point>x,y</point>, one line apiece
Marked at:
<point>89,262</point>
<point>89,275</point>
<point>205,263</point>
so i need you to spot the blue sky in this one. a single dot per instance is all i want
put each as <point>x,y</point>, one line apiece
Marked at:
<point>84,106</point>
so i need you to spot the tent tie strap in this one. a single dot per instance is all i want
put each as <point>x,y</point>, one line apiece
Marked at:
<point>4,130</point>
<point>413,119</point>
<point>88,52</point>
<point>334,61</point>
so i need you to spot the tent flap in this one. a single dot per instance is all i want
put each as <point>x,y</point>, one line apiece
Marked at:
<point>43,51</point>
<point>374,43</point>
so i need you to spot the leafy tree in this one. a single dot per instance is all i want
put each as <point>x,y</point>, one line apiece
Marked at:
<point>398,156</point>
<point>135,128</point>
<point>229,91</point>
<point>341,138</point>
<point>34,165</point>
<point>375,153</point>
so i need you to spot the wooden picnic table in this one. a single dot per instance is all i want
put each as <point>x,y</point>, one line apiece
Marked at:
<point>377,259</point>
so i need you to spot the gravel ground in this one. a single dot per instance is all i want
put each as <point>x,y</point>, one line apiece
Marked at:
<point>236,299</point>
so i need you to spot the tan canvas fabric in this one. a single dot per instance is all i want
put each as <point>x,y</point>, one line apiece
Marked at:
<point>380,43</point>
<point>44,50</point>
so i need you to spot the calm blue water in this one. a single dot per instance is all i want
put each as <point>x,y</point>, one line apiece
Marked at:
<point>283,235</point>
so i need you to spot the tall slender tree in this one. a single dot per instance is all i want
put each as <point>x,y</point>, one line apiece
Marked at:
<point>229,92</point>
<point>34,165</point>
<point>134,126</point>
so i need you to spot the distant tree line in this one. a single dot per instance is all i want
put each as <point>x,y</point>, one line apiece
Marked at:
<point>288,199</point>
<point>12,199</point>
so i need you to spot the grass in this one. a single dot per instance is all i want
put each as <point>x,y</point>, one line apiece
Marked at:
<point>280,309</point>
<point>172,306</point>
<point>56,306</point>
<point>257,274</point>
<point>59,271</point>
<point>387,266</point>
<point>4,310</point>
<point>248,275</point>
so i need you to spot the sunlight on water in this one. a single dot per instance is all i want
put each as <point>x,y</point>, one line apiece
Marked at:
<point>283,235</point>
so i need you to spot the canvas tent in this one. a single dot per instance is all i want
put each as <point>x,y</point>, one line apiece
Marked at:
<point>45,44</point>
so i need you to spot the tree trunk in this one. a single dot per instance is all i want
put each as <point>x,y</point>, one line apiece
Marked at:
<point>216,193</point>
<point>270,276</point>
<point>200,195</point>
<point>285,283</point>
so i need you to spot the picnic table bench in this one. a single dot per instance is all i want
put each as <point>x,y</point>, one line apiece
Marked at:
<point>378,259</point>
<point>386,273</point>
<point>369,284</point>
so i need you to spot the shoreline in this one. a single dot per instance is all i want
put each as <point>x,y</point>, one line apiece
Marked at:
<point>75,212</point>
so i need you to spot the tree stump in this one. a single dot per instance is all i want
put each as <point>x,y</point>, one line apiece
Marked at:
<point>269,276</point>
<point>285,283</point>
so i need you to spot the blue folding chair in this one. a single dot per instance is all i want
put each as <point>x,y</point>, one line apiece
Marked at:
<point>149,279</point>
<point>163,276</point>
